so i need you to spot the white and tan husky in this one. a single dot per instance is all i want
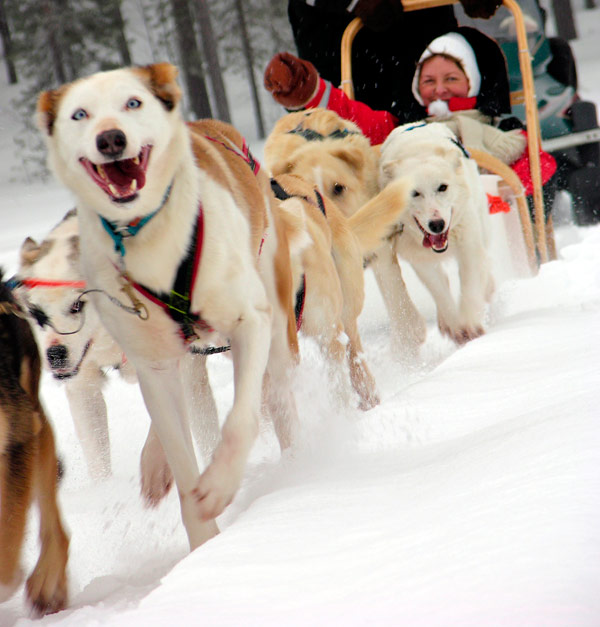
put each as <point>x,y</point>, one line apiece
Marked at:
<point>176,224</point>
<point>78,351</point>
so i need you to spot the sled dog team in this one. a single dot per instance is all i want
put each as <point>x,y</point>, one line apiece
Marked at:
<point>181,244</point>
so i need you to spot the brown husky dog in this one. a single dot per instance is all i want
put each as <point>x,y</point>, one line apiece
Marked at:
<point>28,467</point>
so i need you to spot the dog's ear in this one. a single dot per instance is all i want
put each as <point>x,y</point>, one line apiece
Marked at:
<point>161,80</point>
<point>74,254</point>
<point>386,172</point>
<point>352,156</point>
<point>47,108</point>
<point>282,167</point>
<point>30,252</point>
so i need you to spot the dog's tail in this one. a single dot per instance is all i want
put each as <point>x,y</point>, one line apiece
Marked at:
<point>380,218</point>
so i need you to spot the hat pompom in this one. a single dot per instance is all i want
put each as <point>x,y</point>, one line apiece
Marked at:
<point>439,109</point>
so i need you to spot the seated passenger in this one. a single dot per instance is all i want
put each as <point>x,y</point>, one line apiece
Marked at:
<point>448,85</point>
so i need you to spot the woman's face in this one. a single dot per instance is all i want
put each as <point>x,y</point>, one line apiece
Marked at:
<point>442,79</point>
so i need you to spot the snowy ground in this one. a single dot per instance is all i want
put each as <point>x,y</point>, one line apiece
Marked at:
<point>470,496</point>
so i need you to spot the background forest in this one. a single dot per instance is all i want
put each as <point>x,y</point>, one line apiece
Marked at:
<point>207,39</point>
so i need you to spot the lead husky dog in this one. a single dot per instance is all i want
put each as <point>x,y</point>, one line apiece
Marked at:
<point>176,223</point>
<point>78,351</point>
<point>445,216</point>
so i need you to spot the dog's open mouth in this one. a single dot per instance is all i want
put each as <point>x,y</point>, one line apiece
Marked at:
<point>62,373</point>
<point>438,242</point>
<point>122,179</point>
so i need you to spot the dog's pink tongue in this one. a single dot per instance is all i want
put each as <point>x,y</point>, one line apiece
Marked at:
<point>437,241</point>
<point>121,173</point>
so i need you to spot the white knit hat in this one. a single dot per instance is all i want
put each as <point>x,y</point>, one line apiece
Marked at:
<point>457,47</point>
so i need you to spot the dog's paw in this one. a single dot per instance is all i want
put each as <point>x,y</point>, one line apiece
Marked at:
<point>369,402</point>
<point>156,483</point>
<point>461,334</point>
<point>47,586</point>
<point>218,484</point>
<point>47,593</point>
<point>8,589</point>
<point>156,474</point>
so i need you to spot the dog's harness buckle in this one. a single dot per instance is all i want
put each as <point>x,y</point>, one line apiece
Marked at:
<point>138,307</point>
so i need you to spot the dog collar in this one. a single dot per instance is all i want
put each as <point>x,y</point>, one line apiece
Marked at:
<point>118,231</point>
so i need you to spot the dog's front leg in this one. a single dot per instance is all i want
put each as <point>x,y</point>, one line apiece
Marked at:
<point>163,394</point>
<point>476,287</point>
<point>202,409</point>
<point>408,329</point>
<point>88,410</point>
<point>436,281</point>
<point>250,340</point>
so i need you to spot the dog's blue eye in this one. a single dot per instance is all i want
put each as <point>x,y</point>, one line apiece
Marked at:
<point>134,103</point>
<point>415,193</point>
<point>442,188</point>
<point>80,114</point>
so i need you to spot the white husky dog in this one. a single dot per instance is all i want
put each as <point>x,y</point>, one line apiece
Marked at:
<point>78,351</point>
<point>445,216</point>
<point>177,223</point>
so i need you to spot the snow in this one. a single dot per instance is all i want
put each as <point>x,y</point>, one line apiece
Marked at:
<point>470,496</point>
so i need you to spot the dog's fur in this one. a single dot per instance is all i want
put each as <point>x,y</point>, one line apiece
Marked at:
<point>243,287</point>
<point>445,216</point>
<point>329,269</point>
<point>78,351</point>
<point>332,153</point>
<point>28,467</point>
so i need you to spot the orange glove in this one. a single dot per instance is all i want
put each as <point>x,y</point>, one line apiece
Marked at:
<point>291,81</point>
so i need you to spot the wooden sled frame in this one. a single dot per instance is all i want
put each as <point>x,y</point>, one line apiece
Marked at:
<point>544,233</point>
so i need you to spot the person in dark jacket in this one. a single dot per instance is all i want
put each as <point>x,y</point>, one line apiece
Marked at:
<point>385,51</point>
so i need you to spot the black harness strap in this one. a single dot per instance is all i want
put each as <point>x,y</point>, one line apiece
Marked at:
<point>177,302</point>
<point>281,194</point>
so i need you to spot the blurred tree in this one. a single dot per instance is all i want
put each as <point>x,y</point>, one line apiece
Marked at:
<point>119,22</point>
<point>249,58</point>
<point>190,59</point>
<point>209,47</point>
<point>7,48</point>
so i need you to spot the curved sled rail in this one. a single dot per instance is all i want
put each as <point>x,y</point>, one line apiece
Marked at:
<point>543,231</point>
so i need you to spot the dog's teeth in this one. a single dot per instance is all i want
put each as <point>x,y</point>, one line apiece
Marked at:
<point>101,172</point>
<point>133,185</point>
<point>136,161</point>
<point>112,189</point>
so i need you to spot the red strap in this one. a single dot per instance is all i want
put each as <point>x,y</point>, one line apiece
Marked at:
<point>51,283</point>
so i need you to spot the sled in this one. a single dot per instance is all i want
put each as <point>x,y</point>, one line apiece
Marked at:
<point>543,241</point>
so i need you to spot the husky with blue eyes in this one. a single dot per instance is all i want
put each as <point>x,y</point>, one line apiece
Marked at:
<point>79,353</point>
<point>179,245</point>
<point>445,217</point>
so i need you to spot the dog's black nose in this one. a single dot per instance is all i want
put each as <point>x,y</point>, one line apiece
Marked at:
<point>437,226</point>
<point>111,143</point>
<point>57,356</point>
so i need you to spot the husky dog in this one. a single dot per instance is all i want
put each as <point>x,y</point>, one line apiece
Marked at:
<point>445,216</point>
<point>176,222</point>
<point>28,467</point>
<point>332,153</point>
<point>78,351</point>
